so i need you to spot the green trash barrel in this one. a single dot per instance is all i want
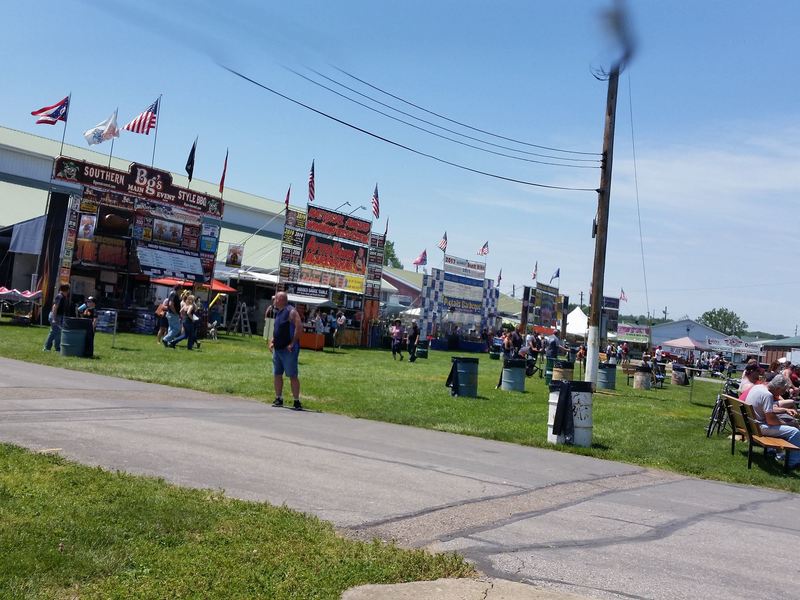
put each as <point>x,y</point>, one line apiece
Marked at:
<point>513,375</point>
<point>548,370</point>
<point>467,369</point>
<point>73,336</point>
<point>422,349</point>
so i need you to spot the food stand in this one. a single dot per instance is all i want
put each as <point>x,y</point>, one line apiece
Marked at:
<point>330,260</point>
<point>125,228</point>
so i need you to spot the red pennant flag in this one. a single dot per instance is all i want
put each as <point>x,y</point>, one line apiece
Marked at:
<point>288,193</point>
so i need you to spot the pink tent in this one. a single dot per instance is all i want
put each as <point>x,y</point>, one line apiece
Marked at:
<point>686,343</point>
<point>17,296</point>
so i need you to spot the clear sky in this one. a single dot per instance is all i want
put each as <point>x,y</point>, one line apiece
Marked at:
<point>714,91</point>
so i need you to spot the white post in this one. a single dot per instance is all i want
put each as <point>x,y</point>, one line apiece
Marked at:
<point>592,354</point>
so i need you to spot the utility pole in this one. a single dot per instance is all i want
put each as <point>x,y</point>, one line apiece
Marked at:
<point>603,203</point>
<point>665,313</point>
<point>581,299</point>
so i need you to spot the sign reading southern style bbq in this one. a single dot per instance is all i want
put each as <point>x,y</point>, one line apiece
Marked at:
<point>140,181</point>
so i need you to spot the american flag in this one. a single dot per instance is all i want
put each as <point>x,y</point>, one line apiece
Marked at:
<point>145,121</point>
<point>622,296</point>
<point>50,115</point>
<point>376,203</point>
<point>535,270</point>
<point>484,250</point>
<point>288,193</point>
<point>311,183</point>
<point>443,243</point>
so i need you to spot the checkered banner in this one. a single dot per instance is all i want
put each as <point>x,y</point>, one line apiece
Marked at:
<point>435,303</point>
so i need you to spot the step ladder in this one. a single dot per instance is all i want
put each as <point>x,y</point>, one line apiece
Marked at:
<point>241,324</point>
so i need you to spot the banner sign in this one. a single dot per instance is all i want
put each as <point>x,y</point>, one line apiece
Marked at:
<point>639,334</point>
<point>733,344</point>
<point>307,290</point>
<point>546,303</point>
<point>462,266</point>
<point>167,262</point>
<point>377,243</point>
<point>610,313</point>
<point>141,181</point>
<point>463,305</point>
<point>234,256</point>
<point>463,287</point>
<point>337,256</point>
<point>338,225</point>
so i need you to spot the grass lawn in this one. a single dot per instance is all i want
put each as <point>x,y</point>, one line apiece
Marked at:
<point>655,428</point>
<point>68,531</point>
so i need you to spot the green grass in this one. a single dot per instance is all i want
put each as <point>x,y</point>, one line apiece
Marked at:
<point>68,531</point>
<point>656,428</point>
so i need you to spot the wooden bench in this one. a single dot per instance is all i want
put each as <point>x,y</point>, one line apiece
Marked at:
<point>628,370</point>
<point>754,437</point>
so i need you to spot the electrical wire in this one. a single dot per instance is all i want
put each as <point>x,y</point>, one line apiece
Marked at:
<point>439,135</point>
<point>636,185</point>
<point>430,112</point>
<point>453,131</point>
<point>399,145</point>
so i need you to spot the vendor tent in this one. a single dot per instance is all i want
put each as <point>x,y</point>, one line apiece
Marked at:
<point>17,296</point>
<point>686,343</point>
<point>216,285</point>
<point>577,322</point>
<point>412,312</point>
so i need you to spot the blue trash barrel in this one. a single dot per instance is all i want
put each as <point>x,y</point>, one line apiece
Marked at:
<point>513,375</point>
<point>467,369</point>
<point>606,377</point>
<point>73,336</point>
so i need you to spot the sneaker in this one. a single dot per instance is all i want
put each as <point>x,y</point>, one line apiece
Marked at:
<point>278,402</point>
<point>297,405</point>
<point>166,344</point>
<point>779,456</point>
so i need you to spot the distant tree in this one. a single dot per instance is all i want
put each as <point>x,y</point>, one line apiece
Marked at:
<point>724,320</point>
<point>390,256</point>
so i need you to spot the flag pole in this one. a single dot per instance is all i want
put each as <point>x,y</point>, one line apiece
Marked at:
<point>111,152</point>
<point>66,118</point>
<point>155,135</point>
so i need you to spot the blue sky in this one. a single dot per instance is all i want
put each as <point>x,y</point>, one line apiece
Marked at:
<point>714,93</point>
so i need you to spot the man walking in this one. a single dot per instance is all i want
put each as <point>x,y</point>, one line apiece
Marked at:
<point>57,314</point>
<point>285,347</point>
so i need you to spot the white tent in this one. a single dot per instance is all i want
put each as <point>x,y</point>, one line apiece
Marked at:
<point>577,322</point>
<point>412,312</point>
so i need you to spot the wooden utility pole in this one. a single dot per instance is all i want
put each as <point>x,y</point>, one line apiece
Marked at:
<point>603,203</point>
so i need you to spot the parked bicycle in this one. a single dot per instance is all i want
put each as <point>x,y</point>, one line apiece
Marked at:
<point>719,414</point>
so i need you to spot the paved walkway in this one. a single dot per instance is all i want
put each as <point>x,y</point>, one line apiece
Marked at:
<point>562,522</point>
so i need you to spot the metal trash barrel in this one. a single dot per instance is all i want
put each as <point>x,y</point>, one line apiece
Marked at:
<point>642,378</point>
<point>467,369</point>
<point>73,336</point>
<point>563,370</point>
<point>607,377</point>
<point>422,349</point>
<point>548,370</point>
<point>513,375</point>
<point>581,393</point>
<point>679,375</point>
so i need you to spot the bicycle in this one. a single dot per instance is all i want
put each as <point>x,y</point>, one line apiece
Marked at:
<point>719,414</point>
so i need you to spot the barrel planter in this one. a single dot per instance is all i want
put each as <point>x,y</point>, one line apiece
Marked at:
<point>581,394</point>
<point>606,377</point>
<point>467,369</point>
<point>642,379</point>
<point>563,370</point>
<point>513,375</point>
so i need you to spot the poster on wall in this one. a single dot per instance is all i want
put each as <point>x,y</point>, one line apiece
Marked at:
<point>234,256</point>
<point>86,227</point>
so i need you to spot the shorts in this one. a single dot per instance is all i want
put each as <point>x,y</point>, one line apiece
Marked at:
<point>285,361</point>
<point>162,321</point>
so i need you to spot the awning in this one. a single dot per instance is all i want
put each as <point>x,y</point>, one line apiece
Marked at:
<point>310,301</point>
<point>26,237</point>
<point>17,296</point>
<point>160,263</point>
<point>216,285</point>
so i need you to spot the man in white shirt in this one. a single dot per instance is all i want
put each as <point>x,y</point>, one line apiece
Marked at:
<point>769,409</point>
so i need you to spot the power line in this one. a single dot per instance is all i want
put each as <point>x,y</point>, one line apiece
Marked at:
<point>469,137</point>
<point>430,112</point>
<point>399,145</point>
<point>439,135</point>
<point>636,185</point>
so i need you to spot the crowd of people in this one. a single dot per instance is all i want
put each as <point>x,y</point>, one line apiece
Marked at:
<point>178,316</point>
<point>773,394</point>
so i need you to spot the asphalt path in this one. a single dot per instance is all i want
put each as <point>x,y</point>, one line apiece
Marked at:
<point>574,524</point>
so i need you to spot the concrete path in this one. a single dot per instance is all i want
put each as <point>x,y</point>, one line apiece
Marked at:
<point>565,523</point>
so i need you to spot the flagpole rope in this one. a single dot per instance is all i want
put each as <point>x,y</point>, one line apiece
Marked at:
<point>404,147</point>
<point>155,135</point>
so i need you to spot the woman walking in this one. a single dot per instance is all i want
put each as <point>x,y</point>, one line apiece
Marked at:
<point>396,331</point>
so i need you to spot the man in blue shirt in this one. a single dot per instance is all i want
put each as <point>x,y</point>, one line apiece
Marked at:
<point>285,348</point>
<point>56,317</point>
